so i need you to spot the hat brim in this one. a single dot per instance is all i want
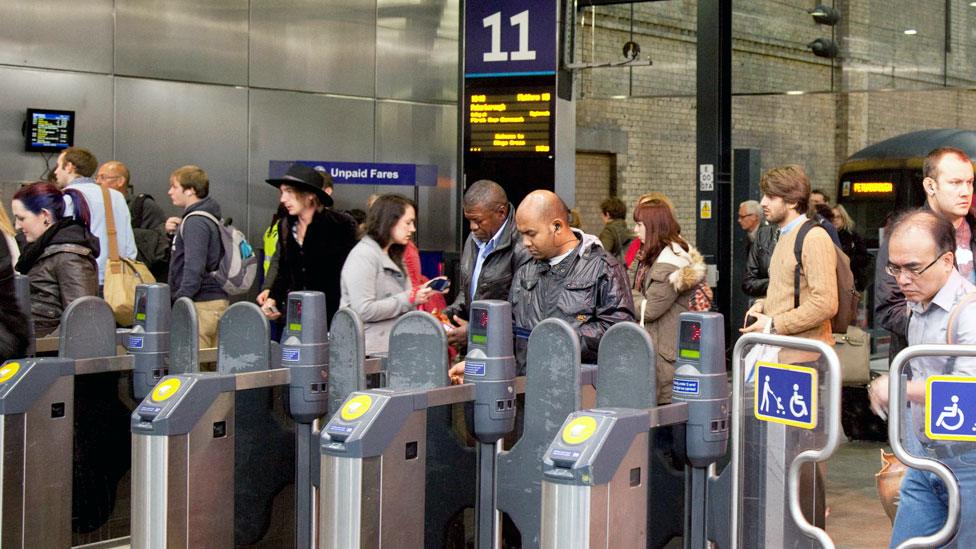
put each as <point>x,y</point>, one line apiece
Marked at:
<point>324,197</point>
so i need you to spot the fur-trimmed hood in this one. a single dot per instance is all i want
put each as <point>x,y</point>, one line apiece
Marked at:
<point>690,266</point>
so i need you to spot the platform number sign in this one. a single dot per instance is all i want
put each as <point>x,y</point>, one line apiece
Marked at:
<point>950,408</point>
<point>510,37</point>
<point>786,394</point>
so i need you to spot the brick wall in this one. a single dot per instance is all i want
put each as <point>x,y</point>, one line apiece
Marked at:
<point>655,105</point>
<point>595,174</point>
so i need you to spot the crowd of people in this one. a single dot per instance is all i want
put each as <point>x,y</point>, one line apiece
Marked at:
<point>530,254</point>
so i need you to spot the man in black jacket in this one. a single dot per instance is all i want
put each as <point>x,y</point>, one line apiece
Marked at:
<point>491,253</point>
<point>755,281</point>
<point>948,186</point>
<point>570,277</point>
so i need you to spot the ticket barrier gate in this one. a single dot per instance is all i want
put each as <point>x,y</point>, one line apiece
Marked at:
<point>208,457</point>
<point>376,451</point>
<point>596,470</point>
<point>49,406</point>
<point>785,418</point>
<point>937,436</point>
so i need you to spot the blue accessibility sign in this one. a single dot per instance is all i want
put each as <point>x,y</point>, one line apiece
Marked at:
<point>950,408</point>
<point>786,394</point>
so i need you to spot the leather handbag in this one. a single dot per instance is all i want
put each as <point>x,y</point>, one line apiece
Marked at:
<point>854,352</point>
<point>121,274</point>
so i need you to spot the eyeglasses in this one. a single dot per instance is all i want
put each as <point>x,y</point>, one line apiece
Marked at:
<point>897,270</point>
<point>107,177</point>
<point>745,216</point>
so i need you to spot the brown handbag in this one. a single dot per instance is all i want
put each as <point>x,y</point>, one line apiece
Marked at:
<point>121,274</point>
<point>889,482</point>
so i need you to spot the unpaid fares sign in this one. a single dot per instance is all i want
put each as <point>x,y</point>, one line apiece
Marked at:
<point>509,37</point>
<point>786,394</point>
<point>364,173</point>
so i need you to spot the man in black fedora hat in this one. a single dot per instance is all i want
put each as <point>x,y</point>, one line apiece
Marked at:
<point>313,241</point>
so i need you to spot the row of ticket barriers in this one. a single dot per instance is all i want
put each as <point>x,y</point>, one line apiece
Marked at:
<point>285,444</point>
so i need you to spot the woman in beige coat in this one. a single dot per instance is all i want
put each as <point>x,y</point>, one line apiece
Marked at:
<point>668,272</point>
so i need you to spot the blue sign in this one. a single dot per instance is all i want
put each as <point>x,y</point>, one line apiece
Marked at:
<point>685,386</point>
<point>786,394</point>
<point>135,342</point>
<point>364,173</point>
<point>510,37</point>
<point>950,408</point>
<point>290,354</point>
<point>474,369</point>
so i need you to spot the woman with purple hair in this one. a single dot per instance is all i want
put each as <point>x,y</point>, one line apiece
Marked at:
<point>59,257</point>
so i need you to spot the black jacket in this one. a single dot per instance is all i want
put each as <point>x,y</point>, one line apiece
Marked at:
<point>495,279</point>
<point>588,289</point>
<point>317,264</point>
<point>756,279</point>
<point>890,311</point>
<point>13,319</point>
<point>196,254</point>
<point>853,245</point>
<point>61,267</point>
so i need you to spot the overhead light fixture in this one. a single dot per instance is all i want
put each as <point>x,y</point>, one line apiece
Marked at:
<point>972,4</point>
<point>824,47</point>
<point>824,15</point>
<point>911,32</point>
<point>794,92</point>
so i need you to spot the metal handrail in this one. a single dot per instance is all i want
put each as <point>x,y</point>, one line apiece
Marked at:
<point>895,404</point>
<point>831,404</point>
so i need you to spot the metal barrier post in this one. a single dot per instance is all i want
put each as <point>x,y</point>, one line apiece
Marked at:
<point>774,405</point>
<point>896,403</point>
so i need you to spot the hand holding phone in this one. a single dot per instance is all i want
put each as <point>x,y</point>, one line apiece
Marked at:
<point>439,284</point>
<point>750,320</point>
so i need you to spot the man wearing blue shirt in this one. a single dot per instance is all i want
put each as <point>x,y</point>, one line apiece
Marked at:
<point>74,170</point>
<point>492,253</point>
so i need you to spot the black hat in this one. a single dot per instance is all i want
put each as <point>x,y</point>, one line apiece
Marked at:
<point>305,178</point>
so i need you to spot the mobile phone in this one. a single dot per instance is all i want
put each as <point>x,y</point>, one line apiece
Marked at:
<point>273,310</point>
<point>439,284</point>
<point>750,320</point>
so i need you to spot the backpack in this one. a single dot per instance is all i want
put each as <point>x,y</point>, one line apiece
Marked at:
<point>237,270</point>
<point>701,300</point>
<point>847,295</point>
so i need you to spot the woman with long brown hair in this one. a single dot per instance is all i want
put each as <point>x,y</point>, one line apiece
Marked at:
<point>669,272</point>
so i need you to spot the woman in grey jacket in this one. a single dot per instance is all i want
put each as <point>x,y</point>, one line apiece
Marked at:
<point>374,281</point>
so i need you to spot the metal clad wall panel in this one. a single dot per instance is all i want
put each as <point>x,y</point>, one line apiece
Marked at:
<point>183,40</point>
<point>62,34</point>
<point>417,50</point>
<point>303,126</point>
<point>424,134</point>
<point>89,95</point>
<point>187,124</point>
<point>319,46</point>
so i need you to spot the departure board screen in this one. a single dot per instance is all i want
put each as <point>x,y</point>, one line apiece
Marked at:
<point>510,120</point>
<point>49,131</point>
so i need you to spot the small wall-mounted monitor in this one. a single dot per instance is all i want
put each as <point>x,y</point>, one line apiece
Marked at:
<point>49,130</point>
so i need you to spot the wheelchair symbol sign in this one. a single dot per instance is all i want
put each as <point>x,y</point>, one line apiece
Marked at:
<point>786,394</point>
<point>950,408</point>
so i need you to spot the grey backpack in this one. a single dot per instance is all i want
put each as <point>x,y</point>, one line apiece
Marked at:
<point>238,265</point>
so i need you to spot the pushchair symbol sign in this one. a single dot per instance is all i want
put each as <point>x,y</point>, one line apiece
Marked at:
<point>786,394</point>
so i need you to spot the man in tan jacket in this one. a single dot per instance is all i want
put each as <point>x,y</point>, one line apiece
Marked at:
<point>786,195</point>
<point>786,192</point>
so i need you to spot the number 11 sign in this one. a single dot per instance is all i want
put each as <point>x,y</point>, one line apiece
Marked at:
<point>509,38</point>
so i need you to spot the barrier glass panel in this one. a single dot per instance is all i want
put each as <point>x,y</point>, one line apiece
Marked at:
<point>934,387</point>
<point>785,419</point>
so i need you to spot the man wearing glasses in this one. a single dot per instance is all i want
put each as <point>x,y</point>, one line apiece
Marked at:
<point>921,260</point>
<point>948,186</point>
<point>148,219</point>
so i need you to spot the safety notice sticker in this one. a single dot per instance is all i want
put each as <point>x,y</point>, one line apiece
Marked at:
<point>786,394</point>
